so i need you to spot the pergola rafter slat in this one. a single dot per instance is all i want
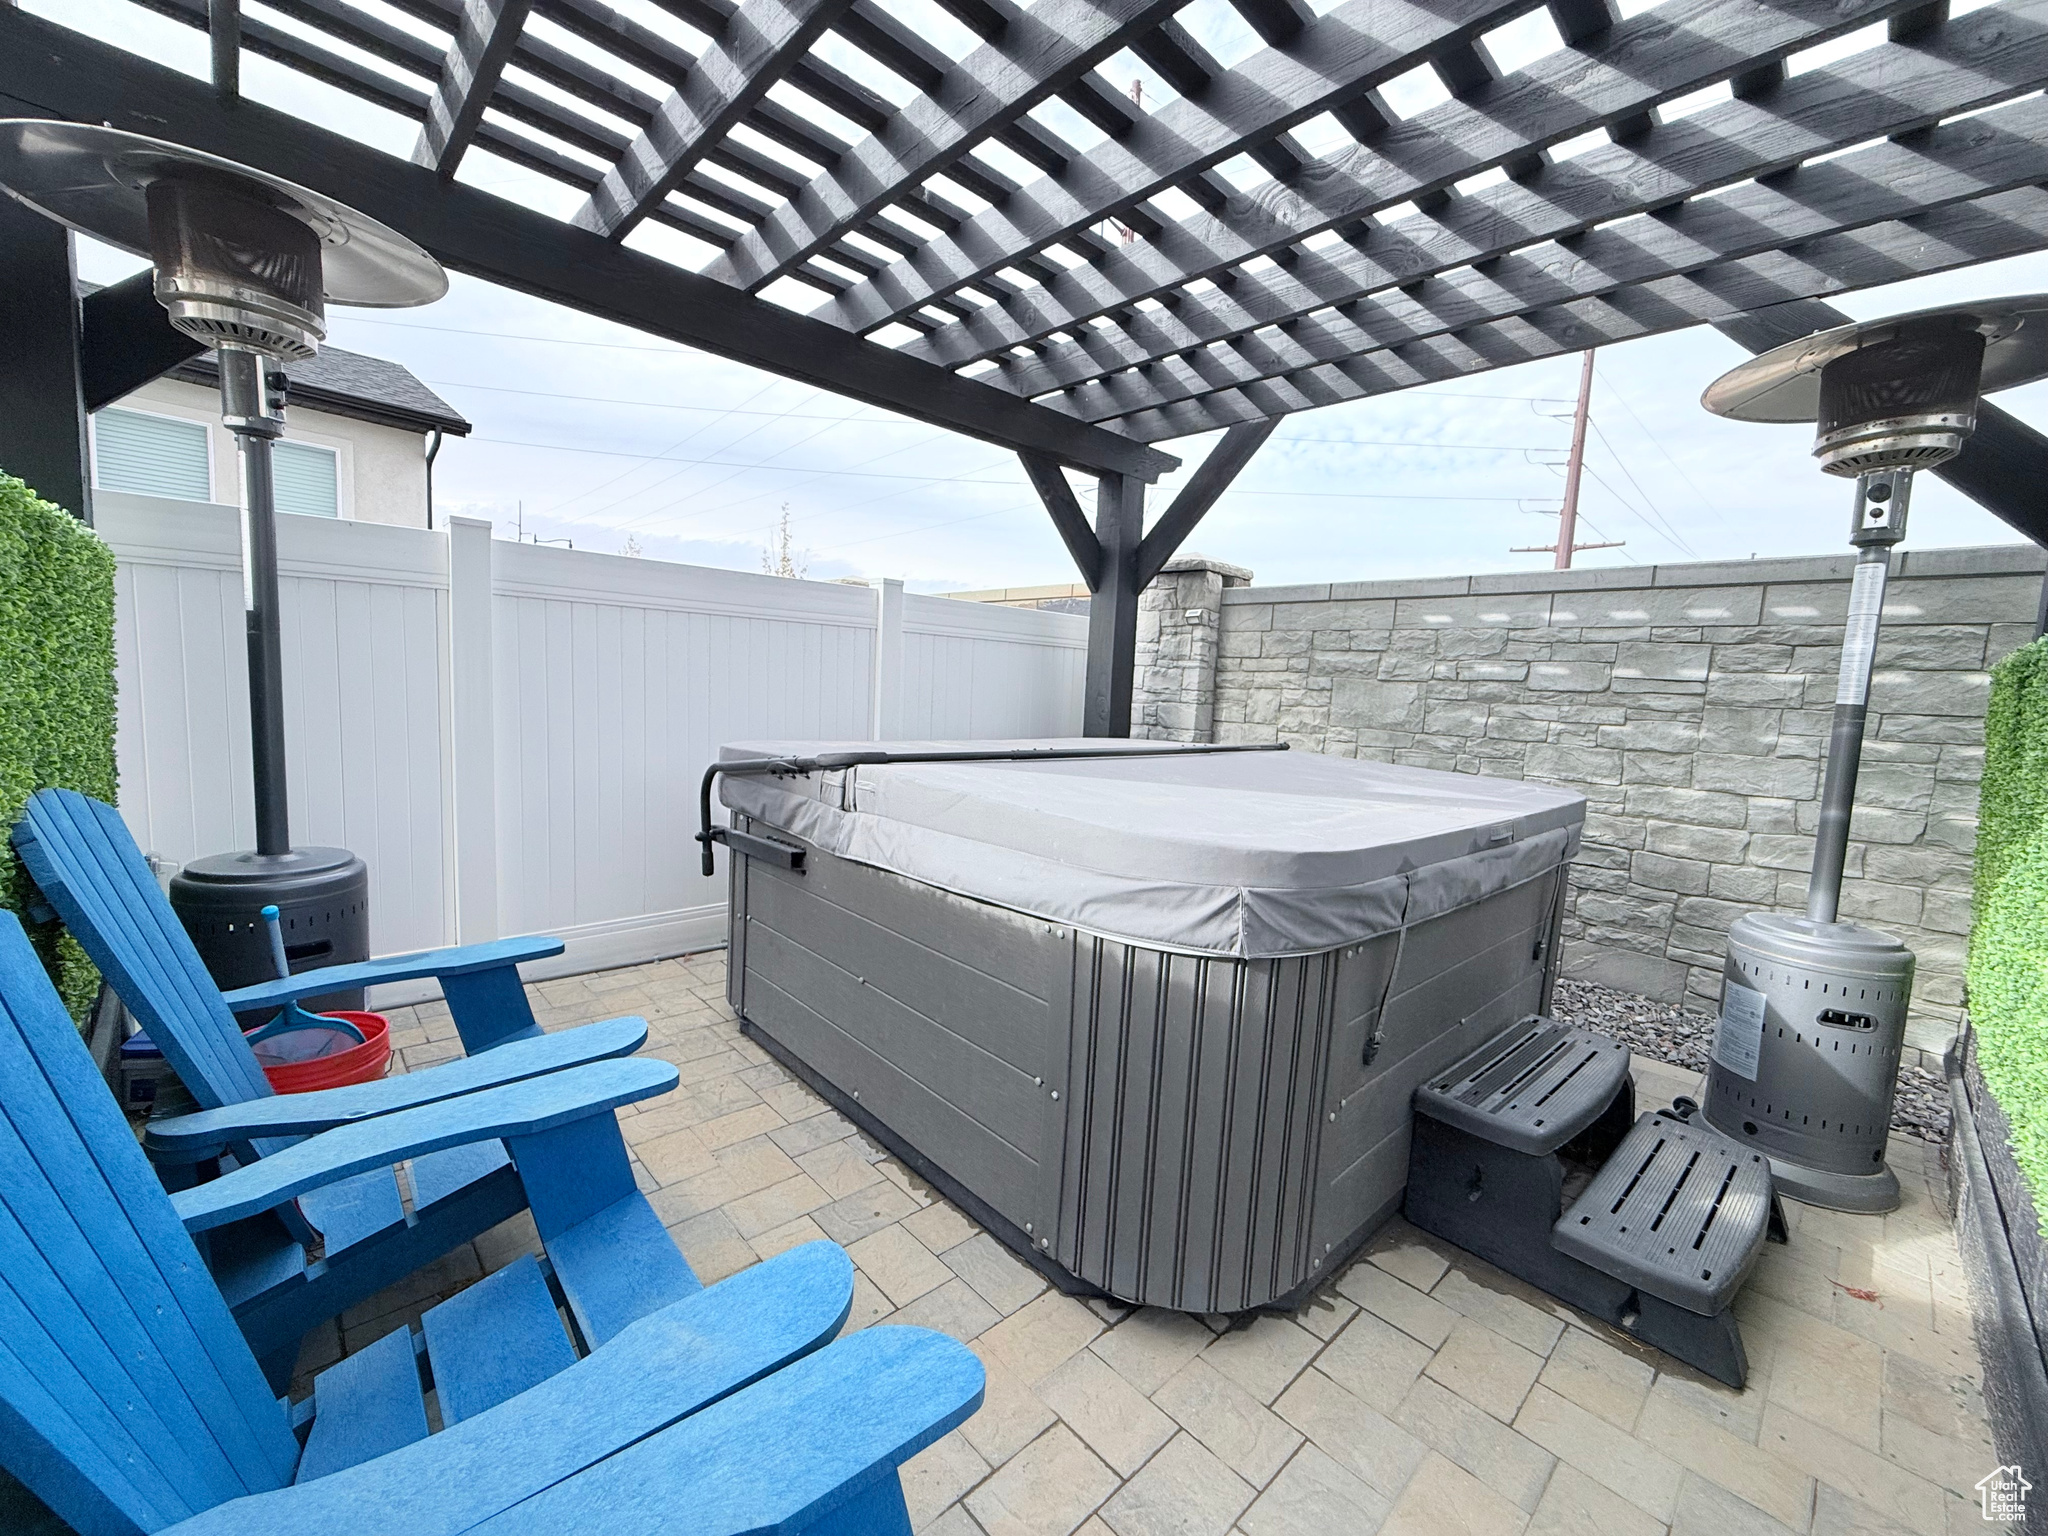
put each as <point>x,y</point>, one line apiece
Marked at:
<point>482,46</point>
<point>756,48</point>
<point>1886,91</point>
<point>1352,49</point>
<point>1680,47</point>
<point>1042,50</point>
<point>2008,224</point>
<point>1996,152</point>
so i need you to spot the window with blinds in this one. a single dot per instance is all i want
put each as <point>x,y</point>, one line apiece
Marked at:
<point>151,455</point>
<point>308,479</point>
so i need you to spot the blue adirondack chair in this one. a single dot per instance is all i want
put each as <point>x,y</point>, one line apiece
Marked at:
<point>86,865</point>
<point>129,1402</point>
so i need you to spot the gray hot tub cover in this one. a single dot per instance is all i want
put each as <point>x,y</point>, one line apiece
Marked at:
<point>1251,855</point>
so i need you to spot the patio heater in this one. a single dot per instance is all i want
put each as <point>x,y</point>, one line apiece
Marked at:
<point>245,264</point>
<point>1813,1009</point>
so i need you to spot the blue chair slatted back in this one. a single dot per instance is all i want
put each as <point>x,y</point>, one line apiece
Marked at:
<point>82,857</point>
<point>128,1398</point>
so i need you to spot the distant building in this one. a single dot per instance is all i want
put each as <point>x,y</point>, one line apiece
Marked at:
<point>1061,597</point>
<point>357,434</point>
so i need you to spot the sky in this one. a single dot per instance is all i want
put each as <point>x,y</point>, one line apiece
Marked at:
<point>619,441</point>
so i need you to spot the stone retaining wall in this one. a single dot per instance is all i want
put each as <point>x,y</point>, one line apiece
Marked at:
<point>1689,703</point>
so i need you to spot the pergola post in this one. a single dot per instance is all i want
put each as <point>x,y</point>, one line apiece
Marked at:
<point>42,391</point>
<point>1113,610</point>
<point>1118,559</point>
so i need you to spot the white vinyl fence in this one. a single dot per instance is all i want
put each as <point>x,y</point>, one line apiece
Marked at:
<point>511,735</point>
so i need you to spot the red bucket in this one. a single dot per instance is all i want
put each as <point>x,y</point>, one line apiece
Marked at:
<point>363,1063</point>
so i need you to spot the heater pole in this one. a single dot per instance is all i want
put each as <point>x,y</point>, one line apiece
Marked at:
<point>256,418</point>
<point>1880,522</point>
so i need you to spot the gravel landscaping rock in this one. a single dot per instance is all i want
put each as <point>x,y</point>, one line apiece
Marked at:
<point>1666,1032</point>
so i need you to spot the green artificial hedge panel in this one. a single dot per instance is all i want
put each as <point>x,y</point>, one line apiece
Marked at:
<point>56,691</point>
<point>2008,969</point>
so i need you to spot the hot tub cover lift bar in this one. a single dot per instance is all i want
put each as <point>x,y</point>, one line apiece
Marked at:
<point>791,856</point>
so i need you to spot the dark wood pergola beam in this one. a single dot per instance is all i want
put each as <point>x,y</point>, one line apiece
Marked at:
<point>125,340</point>
<point>54,71</point>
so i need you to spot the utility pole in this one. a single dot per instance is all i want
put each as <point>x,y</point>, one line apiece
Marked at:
<point>1568,520</point>
<point>1567,543</point>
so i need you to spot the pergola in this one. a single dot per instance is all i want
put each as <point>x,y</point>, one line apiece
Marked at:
<point>1199,268</point>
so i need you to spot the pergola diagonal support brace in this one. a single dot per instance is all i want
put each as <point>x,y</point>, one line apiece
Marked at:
<point>1218,472</point>
<point>757,46</point>
<point>484,39</point>
<point>1050,481</point>
<point>2004,463</point>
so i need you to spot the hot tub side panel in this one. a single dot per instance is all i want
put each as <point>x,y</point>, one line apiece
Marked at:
<point>1199,1094</point>
<point>942,1020</point>
<point>1461,977</point>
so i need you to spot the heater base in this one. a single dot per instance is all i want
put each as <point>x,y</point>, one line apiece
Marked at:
<point>1861,1194</point>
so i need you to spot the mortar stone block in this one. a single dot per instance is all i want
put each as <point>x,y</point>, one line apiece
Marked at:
<point>1406,665</point>
<point>1462,643</point>
<point>1897,786</point>
<point>1739,732</point>
<point>1503,610</point>
<point>1768,689</point>
<point>1656,768</point>
<point>1732,882</point>
<point>1767,815</point>
<point>1656,734</point>
<point>1613,831</point>
<point>1961,731</point>
<point>1933,648</point>
<point>1572,765</point>
<point>1701,807</point>
<point>1679,840</point>
<point>1684,877</point>
<point>1886,905</point>
<point>1569,676</point>
<point>1676,663</point>
<point>1644,609</point>
<point>1929,693</point>
<point>1753,658</point>
<point>1781,778</point>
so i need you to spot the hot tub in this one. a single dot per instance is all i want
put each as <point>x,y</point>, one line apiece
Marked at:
<point>1154,1021</point>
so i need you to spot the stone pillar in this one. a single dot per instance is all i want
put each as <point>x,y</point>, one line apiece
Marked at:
<point>1179,619</point>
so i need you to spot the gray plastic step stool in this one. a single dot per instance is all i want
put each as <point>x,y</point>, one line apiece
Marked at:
<point>1659,1240</point>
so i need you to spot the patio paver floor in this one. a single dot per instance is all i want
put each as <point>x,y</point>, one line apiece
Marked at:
<point>1421,1392</point>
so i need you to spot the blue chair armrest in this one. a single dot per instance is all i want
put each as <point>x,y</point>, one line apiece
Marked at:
<point>459,961</point>
<point>207,1133</point>
<point>813,1444</point>
<point>516,1109</point>
<point>658,1371</point>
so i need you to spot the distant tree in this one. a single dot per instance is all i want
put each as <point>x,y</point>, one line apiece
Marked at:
<point>781,557</point>
<point>631,547</point>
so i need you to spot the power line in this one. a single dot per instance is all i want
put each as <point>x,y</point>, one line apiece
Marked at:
<point>1658,444</point>
<point>1663,522</point>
